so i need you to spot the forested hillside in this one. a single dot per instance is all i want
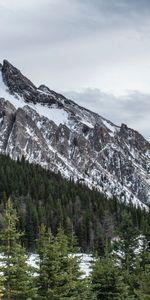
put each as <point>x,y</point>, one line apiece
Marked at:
<point>53,131</point>
<point>41,196</point>
<point>122,273</point>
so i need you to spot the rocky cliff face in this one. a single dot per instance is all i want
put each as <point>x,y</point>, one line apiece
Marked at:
<point>58,134</point>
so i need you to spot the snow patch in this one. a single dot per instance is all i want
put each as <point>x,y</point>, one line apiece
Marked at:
<point>110,127</point>
<point>85,262</point>
<point>57,115</point>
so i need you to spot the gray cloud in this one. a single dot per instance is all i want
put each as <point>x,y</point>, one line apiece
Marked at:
<point>117,12</point>
<point>48,21</point>
<point>74,44</point>
<point>133,109</point>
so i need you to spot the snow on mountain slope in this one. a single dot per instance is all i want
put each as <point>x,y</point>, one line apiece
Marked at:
<point>54,114</point>
<point>55,132</point>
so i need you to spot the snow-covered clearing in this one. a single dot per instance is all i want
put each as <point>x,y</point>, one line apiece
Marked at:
<point>85,262</point>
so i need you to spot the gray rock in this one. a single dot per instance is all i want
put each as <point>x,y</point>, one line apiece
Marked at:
<point>85,147</point>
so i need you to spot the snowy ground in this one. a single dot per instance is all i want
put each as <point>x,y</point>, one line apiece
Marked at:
<point>85,264</point>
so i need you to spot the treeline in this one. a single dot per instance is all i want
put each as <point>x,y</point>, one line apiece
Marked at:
<point>41,196</point>
<point>122,273</point>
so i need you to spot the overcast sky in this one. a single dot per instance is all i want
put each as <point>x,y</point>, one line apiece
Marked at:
<point>95,51</point>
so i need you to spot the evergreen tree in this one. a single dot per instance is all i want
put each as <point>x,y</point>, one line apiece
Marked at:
<point>126,244</point>
<point>59,274</point>
<point>41,196</point>
<point>145,250</point>
<point>15,272</point>
<point>144,289</point>
<point>125,249</point>
<point>47,262</point>
<point>107,281</point>
<point>69,270</point>
<point>143,277</point>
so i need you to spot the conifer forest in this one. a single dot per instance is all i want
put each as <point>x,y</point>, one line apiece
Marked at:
<point>42,213</point>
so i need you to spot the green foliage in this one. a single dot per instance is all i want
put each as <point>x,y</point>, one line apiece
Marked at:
<point>144,290</point>
<point>59,272</point>
<point>126,244</point>
<point>41,196</point>
<point>15,272</point>
<point>125,277</point>
<point>108,281</point>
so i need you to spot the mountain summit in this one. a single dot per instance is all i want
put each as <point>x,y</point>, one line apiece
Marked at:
<point>58,134</point>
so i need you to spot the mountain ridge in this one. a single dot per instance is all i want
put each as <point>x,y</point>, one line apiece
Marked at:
<point>55,132</point>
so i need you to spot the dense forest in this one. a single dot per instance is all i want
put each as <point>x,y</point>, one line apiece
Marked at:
<point>121,273</point>
<point>40,196</point>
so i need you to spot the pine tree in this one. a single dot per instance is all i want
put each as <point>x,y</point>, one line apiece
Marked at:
<point>143,292</point>
<point>47,262</point>
<point>59,273</point>
<point>74,286</point>
<point>126,244</point>
<point>15,272</point>
<point>125,254</point>
<point>107,281</point>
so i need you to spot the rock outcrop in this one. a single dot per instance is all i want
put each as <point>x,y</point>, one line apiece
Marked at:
<point>55,132</point>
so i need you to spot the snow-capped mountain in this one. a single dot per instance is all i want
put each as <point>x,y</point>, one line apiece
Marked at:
<point>58,134</point>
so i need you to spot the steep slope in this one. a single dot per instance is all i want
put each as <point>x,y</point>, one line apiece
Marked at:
<point>60,135</point>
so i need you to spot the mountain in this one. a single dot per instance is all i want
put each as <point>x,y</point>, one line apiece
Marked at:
<point>53,131</point>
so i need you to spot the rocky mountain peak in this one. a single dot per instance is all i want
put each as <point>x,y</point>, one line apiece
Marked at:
<point>20,85</point>
<point>16,81</point>
<point>58,134</point>
<point>134,138</point>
